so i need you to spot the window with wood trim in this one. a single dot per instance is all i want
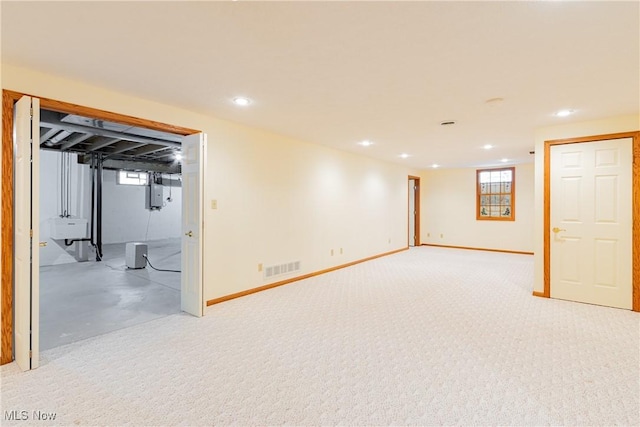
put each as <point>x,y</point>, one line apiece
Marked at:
<point>496,194</point>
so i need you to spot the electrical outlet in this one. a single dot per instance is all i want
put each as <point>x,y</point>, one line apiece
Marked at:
<point>260,267</point>
<point>214,204</point>
<point>428,234</point>
<point>340,251</point>
<point>389,239</point>
<point>331,252</point>
<point>441,235</point>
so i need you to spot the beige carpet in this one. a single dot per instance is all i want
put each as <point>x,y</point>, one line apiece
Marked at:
<point>430,336</point>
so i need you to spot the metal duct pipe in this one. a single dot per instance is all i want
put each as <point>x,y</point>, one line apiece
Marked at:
<point>58,138</point>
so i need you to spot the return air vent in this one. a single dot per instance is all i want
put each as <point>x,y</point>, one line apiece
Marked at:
<point>280,269</point>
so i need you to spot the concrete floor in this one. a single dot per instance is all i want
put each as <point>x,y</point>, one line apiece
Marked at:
<point>86,299</point>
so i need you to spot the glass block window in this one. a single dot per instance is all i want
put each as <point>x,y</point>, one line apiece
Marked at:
<point>132,178</point>
<point>495,191</point>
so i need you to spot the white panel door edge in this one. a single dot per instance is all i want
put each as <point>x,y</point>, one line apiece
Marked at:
<point>591,222</point>
<point>26,232</point>
<point>192,295</point>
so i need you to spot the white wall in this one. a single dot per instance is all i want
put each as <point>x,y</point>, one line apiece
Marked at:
<point>279,199</point>
<point>125,217</point>
<point>448,208</point>
<point>627,123</point>
<point>51,207</point>
<point>124,214</point>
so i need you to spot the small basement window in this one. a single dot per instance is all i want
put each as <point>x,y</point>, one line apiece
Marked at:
<point>132,178</point>
<point>496,194</point>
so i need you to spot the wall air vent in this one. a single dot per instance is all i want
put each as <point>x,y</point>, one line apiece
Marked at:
<point>281,269</point>
<point>448,123</point>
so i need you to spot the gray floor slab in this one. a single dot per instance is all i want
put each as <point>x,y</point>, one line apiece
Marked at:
<point>82,300</point>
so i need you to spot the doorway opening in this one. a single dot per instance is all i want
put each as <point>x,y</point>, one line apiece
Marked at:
<point>413,235</point>
<point>106,189</point>
<point>100,153</point>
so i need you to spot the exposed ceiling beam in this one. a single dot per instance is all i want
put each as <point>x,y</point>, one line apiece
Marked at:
<point>101,143</point>
<point>48,134</point>
<point>147,150</point>
<point>75,141</point>
<point>50,120</point>
<point>123,146</point>
<point>134,165</point>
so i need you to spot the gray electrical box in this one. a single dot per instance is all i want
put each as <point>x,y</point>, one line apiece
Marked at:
<point>155,196</point>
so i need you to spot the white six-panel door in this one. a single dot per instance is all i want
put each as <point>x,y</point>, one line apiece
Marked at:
<point>26,232</point>
<point>591,222</point>
<point>192,298</point>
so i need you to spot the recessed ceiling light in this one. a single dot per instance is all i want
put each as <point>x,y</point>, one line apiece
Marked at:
<point>487,146</point>
<point>564,113</point>
<point>435,165</point>
<point>504,160</point>
<point>365,143</point>
<point>404,155</point>
<point>241,101</point>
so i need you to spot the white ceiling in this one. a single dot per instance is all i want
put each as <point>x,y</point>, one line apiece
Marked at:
<point>335,73</point>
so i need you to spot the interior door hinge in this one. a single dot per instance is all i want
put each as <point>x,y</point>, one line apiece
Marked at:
<point>31,233</point>
<point>30,354</point>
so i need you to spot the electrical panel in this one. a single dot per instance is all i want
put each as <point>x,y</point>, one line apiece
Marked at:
<point>155,196</point>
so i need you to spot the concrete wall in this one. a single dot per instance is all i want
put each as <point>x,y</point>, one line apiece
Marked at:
<point>124,216</point>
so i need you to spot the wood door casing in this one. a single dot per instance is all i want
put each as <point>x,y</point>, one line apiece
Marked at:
<point>635,209</point>
<point>8,100</point>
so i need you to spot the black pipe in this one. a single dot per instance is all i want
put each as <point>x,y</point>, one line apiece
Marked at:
<point>69,242</point>
<point>92,170</point>
<point>99,209</point>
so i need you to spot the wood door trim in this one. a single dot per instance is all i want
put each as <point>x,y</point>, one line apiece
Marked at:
<point>416,206</point>
<point>635,136</point>
<point>9,97</point>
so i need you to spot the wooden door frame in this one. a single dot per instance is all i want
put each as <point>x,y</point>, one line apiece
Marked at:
<point>635,136</point>
<point>416,205</point>
<point>8,100</point>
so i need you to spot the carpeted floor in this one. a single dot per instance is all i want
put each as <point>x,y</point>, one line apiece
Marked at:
<point>430,336</point>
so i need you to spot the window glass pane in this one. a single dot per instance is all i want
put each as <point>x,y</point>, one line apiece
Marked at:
<point>132,178</point>
<point>495,194</point>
